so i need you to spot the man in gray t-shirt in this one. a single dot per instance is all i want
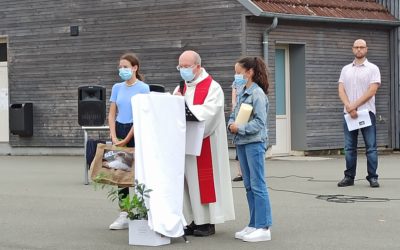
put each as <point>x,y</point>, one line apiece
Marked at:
<point>358,84</point>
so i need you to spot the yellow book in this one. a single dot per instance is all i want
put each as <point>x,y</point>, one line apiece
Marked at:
<point>244,114</point>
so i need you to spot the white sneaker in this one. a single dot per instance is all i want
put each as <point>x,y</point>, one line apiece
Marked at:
<point>260,234</point>
<point>239,235</point>
<point>121,222</point>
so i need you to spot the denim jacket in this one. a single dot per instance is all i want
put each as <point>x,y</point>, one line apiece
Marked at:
<point>256,129</point>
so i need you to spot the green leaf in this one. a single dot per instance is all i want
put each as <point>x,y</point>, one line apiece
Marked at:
<point>133,204</point>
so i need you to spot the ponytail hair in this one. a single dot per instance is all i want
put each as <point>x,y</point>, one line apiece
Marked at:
<point>259,68</point>
<point>134,60</point>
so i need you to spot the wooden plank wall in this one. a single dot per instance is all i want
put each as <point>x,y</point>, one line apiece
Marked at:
<point>255,28</point>
<point>328,49</point>
<point>46,64</point>
<point>394,7</point>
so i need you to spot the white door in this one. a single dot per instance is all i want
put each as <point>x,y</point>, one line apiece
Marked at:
<point>282,93</point>
<point>4,132</point>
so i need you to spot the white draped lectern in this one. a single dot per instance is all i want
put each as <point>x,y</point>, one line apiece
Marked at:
<point>160,140</point>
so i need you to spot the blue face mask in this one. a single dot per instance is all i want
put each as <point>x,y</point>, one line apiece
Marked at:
<point>240,80</point>
<point>125,73</point>
<point>187,74</point>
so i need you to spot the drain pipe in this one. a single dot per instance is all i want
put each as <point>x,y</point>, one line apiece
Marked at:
<point>266,36</point>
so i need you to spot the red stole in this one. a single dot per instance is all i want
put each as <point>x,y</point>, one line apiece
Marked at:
<point>204,160</point>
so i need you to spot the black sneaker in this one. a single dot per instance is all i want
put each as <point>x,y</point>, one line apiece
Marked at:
<point>347,181</point>
<point>238,178</point>
<point>373,182</point>
<point>204,230</point>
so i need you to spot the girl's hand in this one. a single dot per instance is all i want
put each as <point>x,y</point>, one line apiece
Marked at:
<point>233,128</point>
<point>121,143</point>
<point>115,140</point>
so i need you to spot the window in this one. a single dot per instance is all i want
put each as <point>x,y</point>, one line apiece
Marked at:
<point>3,52</point>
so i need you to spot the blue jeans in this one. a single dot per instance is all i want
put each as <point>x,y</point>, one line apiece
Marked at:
<point>350,148</point>
<point>252,159</point>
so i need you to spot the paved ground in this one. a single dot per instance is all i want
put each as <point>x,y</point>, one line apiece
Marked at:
<point>44,205</point>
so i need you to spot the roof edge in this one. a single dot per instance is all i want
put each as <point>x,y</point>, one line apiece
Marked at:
<point>283,16</point>
<point>255,10</point>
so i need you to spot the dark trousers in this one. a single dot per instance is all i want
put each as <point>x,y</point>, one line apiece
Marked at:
<point>371,150</point>
<point>121,131</point>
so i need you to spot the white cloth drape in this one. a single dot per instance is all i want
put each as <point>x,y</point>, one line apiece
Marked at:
<point>159,130</point>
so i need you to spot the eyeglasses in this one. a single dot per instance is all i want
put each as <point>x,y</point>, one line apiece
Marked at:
<point>189,67</point>
<point>359,47</point>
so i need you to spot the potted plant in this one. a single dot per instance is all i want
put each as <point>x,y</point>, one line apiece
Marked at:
<point>134,204</point>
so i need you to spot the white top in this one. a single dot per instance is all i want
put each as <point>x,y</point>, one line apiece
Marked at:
<point>357,79</point>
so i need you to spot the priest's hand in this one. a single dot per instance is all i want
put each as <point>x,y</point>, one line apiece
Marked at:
<point>233,128</point>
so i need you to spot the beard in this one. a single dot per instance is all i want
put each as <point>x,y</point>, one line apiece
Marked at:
<point>360,55</point>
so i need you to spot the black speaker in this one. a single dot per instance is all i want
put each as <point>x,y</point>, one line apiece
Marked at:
<point>21,119</point>
<point>91,105</point>
<point>156,88</point>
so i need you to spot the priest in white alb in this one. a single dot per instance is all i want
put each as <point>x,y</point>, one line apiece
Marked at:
<point>208,196</point>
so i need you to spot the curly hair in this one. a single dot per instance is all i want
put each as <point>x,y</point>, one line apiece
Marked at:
<point>259,68</point>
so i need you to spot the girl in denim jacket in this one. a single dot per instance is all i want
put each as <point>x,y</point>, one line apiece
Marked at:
<point>251,142</point>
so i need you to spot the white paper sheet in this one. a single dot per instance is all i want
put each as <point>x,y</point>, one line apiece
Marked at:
<point>363,120</point>
<point>194,137</point>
